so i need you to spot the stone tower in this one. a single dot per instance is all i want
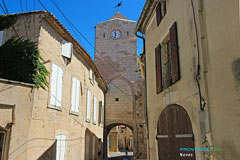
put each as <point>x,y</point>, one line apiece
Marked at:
<point>116,58</point>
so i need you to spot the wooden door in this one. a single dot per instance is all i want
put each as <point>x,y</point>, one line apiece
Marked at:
<point>174,131</point>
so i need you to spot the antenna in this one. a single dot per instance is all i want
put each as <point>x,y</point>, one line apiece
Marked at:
<point>118,5</point>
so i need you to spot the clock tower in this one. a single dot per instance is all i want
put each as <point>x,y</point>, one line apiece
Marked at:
<point>116,59</point>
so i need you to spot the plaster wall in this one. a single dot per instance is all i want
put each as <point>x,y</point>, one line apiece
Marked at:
<point>43,122</point>
<point>184,92</point>
<point>9,95</point>
<point>222,74</point>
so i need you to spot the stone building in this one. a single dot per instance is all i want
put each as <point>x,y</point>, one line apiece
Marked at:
<point>116,58</point>
<point>64,121</point>
<point>192,70</point>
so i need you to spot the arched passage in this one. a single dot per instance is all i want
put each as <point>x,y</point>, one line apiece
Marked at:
<point>120,136</point>
<point>174,133</point>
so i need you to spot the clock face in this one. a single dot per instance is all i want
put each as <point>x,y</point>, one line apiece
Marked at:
<point>115,34</point>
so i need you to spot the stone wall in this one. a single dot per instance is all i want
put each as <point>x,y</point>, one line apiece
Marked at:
<point>117,62</point>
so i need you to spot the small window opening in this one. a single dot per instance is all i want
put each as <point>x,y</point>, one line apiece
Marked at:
<point>116,99</point>
<point>104,35</point>
<point>127,33</point>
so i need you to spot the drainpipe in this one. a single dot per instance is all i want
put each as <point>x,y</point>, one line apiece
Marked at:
<point>104,129</point>
<point>145,91</point>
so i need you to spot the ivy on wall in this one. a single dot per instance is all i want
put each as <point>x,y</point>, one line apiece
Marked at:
<point>20,59</point>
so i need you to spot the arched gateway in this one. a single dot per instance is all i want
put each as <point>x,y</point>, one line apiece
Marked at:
<point>116,59</point>
<point>174,134</point>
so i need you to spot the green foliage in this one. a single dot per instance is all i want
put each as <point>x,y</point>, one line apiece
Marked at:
<point>21,61</point>
<point>7,21</point>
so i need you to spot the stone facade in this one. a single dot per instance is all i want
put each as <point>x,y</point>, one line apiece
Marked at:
<point>37,122</point>
<point>207,34</point>
<point>117,62</point>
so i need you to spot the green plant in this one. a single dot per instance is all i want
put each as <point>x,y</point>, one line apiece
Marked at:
<point>20,59</point>
<point>7,21</point>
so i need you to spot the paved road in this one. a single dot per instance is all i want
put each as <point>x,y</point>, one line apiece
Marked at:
<point>120,156</point>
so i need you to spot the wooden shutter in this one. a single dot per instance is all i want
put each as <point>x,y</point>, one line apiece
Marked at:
<point>175,70</point>
<point>61,147</point>
<point>158,69</point>
<point>89,97</point>
<point>53,92</point>
<point>87,147</point>
<point>94,110</point>
<point>93,148</point>
<point>90,74</point>
<point>58,138</point>
<point>100,113</point>
<point>1,37</point>
<point>67,49</point>
<point>73,106</point>
<point>59,87</point>
<point>77,95</point>
<point>159,13</point>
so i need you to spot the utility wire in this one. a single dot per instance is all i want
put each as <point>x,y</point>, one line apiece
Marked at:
<point>26,5</point>
<point>70,23</point>
<point>24,21</point>
<point>5,6</point>
<point>5,10</point>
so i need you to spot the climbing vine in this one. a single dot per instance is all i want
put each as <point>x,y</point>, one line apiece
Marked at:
<point>20,59</point>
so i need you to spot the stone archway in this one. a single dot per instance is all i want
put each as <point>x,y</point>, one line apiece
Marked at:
<point>174,133</point>
<point>111,126</point>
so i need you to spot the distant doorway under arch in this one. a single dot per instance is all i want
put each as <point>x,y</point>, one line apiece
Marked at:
<point>120,141</point>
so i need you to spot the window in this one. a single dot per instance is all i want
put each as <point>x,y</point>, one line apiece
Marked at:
<point>90,74</point>
<point>110,141</point>
<point>100,112</point>
<point>104,35</point>
<point>89,97</point>
<point>1,37</point>
<point>95,110</point>
<point>161,11</point>
<point>116,99</point>
<point>2,142</point>
<point>93,148</point>
<point>167,61</point>
<point>75,95</point>
<point>67,49</point>
<point>56,86</point>
<point>61,147</point>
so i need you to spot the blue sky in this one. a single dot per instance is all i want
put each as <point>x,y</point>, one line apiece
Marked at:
<point>84,14</point>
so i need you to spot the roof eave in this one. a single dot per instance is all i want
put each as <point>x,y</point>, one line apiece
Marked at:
<point>50,18</point>
<point>145,16</point>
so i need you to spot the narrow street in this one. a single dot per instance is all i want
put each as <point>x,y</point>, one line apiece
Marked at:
<point>89,80</point>
<point>120,156</point>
